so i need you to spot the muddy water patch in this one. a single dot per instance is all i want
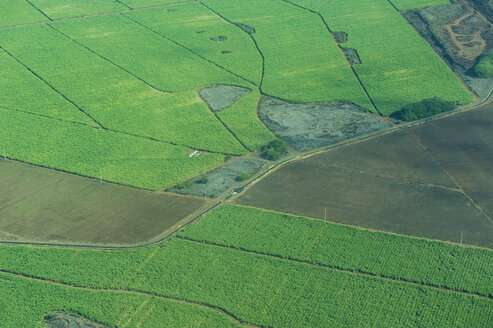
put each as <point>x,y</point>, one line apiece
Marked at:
<point>308,126</point>
<point>220,97</point>
<point>66,320</point>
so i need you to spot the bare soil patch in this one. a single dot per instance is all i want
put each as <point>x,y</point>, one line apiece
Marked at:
<point>220,97</point>
<point>308,126</point>
<point>432,181</point>
<point>38,204</point>
<point>460,33</point>
<point>66,320</point>
<point>220,180</point>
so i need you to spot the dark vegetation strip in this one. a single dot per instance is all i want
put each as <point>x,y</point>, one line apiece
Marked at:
<point>357,272</point>
<point>52,87</point>
<point>103,247</point>
<point>251,37</point>
<point>189,50</point>
<point>135,292</point>
<point>341,48</point>
<point>124,4</point>
<point>42,12</point>
<point>107,59</point>
<point>225,126</point>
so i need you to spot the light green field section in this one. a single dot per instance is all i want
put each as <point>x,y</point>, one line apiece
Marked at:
<point>36,97</point>
<point>151,3</point>
<point>116,98</point>
<point>208,35</point>
<point>413,4</point>
<point>242,119</point>
<point>96,152</point>
<point>398,67</point>
<point>302,61</point>
<point>17,12</point>
<point>58,9</point>
<point>313,241</point>
<point>254,288</point>
<point>25,302</point>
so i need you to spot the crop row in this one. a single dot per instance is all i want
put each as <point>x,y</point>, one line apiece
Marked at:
<point>377,253</point>
<point>397,66</point>
<point>98,153</point>
<point>25,302</point>
<point>255,288</point>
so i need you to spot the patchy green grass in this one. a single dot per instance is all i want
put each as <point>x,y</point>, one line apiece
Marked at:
<point>413,4</point>
<point>88,151</point>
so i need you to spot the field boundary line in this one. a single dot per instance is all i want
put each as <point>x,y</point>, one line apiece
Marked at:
<point>452,178</point>
<point>51,86</point>
<point>340,49</point>
<point>223,124</point>
<point>115,12</point>
<point>124,4</point>
<point>335,268</point>
<point>42,12</point>
<point>135,292</point>
<point>251,37</point>
<point>106,59</point>
<point>403,180</point>
<point>276,166</point>
<point>146,244</point>
<point>188,49</point>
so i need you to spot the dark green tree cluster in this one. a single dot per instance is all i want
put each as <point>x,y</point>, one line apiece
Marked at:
<point>422,109</point>
<point>484,67</point>
<point>274,150</point>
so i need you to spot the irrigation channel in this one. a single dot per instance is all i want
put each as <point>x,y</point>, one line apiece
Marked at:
<point>260,176</point>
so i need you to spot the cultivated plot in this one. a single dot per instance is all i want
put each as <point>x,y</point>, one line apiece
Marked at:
<point>431,181</point>
<point>44,205</point>
<point>261,282</point>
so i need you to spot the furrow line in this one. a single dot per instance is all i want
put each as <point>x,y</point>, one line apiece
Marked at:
<point>135,292</point>
<point>124,4</point>
<point>189,50</point>
<point>108,60</point>
<point>356,272</point>
<point>52,87</point>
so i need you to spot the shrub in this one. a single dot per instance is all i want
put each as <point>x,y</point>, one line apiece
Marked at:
<point>484,67</point>
<point>243,177</point>
<point>274,150</point>
<point>203,179</point>
<point>183,185</point>
<point>422,109</point>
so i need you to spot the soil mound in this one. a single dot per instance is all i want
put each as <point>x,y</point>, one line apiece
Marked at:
<point>220,97</point>
<point>308,126</point>
<point>65,320</point>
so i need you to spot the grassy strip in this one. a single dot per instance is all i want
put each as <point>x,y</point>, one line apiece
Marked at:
<point>16,12</point>
<point>115,98</point>
<point>397,66</point>
<point>43,100</point>
<point>394,256</point>
<point>206,34</point>
<point>302,61</point>
<point>24,303</point>
<point>255,288</point>
<point>94,152</point>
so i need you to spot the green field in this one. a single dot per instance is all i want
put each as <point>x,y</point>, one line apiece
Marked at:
<point>135,68</point>
<point>257,282</point>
